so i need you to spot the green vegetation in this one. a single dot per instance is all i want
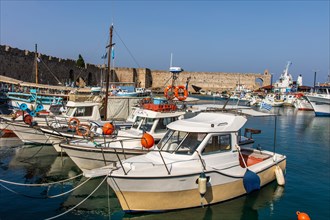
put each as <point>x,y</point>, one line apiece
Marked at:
<point>80,62</point>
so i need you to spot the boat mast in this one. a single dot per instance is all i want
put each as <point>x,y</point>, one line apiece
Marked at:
<point>108,75</point>
<point>36,62</point>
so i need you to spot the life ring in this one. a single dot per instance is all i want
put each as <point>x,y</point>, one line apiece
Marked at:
<point>181,93</point>
<point>169,92</point>
<point>73,123</point>
<point>83,130</point>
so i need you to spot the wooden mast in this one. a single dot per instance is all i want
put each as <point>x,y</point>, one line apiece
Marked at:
<point>36,62</point>
<point>108,75</point>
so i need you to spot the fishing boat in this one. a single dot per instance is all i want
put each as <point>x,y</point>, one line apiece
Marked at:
<point>199,163</point>
<point>320,100</point>
<point>28,128</point>
<point>273,100</point>
<point>102,150</point>
<point>302,103</point>
<point>284,84</point>
<point>32,99</point>
<point>138,92</point>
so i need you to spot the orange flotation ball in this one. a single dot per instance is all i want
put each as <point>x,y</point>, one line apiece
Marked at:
<point>302,216</point>
<point>147,141</point>
<point>28,119</point>
<point>108,128</point>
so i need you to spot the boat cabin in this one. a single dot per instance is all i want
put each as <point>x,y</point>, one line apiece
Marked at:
<point>83,110</point>
<point>155,123</point>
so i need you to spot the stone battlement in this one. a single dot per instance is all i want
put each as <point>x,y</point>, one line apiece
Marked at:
<point>19,64</point>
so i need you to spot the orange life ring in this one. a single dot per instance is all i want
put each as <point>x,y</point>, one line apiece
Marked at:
<point>181,93</point>
<point>73,123</point>
<point>84,131</point>
<point>169,92</point>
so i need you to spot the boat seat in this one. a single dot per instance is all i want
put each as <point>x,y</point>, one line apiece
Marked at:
<point>252,158</point>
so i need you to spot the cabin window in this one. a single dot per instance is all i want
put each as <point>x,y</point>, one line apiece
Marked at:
<point>146,123</point>
<point>69,111</point>
<point>137,122</point>
<point>162,124</point>
<point>171,140</point>
<point>190,143</point>
<point>181,142</point>
<point>218,143</point>
<point>84,111</point>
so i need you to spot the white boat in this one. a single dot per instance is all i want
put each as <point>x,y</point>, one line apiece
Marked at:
<point>284,84</point>
<point>320,100</point>
<point>138,92</point>
<point>301,103</point>
<point>200,163</point>
<point>87,113</point>
<point>100,151</point>
<point>83,111</point>
<point>288,99</point>
<point>273,100</point>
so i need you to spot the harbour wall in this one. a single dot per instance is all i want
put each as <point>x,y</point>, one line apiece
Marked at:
<point>19,64</point>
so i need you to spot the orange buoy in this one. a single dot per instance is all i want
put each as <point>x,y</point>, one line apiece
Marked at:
<point>27,119</point>
<point>108,128</point>
<point>302,216</point>
<point>147,141</point>
<point>181,93</point>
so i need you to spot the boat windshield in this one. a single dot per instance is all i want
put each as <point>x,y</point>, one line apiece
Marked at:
<point>70,111</point>
<point>180,142</point>
<point>142,123</point>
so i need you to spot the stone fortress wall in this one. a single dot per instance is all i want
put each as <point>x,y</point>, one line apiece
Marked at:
<point>19,64</point>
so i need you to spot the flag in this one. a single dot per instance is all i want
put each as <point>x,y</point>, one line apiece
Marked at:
<point>112,52</point>
<point>38,59</point>
<point>266,106</point>
<point>104,56</point>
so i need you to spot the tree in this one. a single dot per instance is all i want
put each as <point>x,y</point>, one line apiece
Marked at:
<point>80,62</point>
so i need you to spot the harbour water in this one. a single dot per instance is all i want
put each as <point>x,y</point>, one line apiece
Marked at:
<point>301,136</point>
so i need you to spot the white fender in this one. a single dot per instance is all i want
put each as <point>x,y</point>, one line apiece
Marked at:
<point>202,180</point>
<point>279,176</point>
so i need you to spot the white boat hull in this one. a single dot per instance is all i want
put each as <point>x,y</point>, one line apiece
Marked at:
<point>27,134</point>
<point>172,192</point>
<point>92,157</point>
<point>320,104</point>
<point>303,104</point>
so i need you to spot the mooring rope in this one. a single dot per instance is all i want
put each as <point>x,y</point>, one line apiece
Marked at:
<point>41,184</point>
<point>45,197</point>
<point>62,194</point>
<point>67,211</point>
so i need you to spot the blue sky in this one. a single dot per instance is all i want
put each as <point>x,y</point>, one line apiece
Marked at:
<point>208,36</point>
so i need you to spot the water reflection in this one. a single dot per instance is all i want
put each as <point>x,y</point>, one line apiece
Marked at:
<point>37,163</point>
